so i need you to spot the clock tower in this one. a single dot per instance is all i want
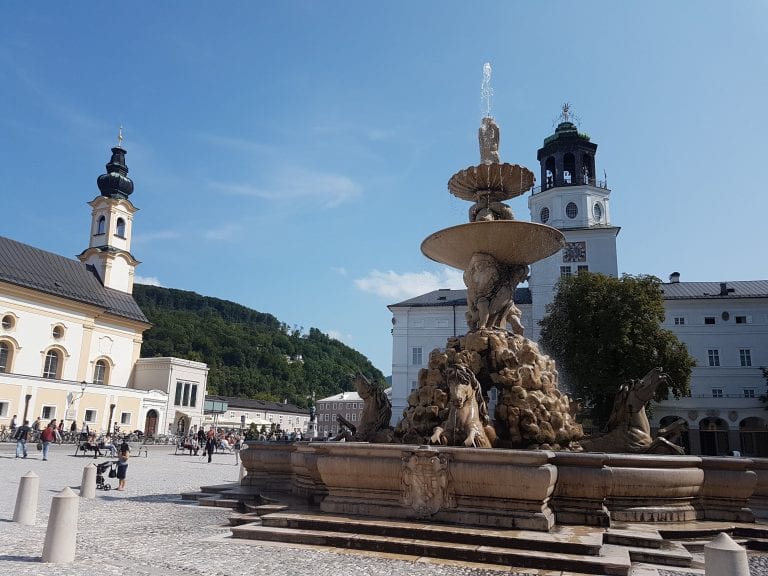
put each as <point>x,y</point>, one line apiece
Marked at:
<point>575,202</point>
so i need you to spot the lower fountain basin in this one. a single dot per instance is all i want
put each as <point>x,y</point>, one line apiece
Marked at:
<point>508,241</point>
<point>525,489</point>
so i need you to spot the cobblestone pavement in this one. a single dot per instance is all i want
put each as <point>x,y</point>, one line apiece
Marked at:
<point>149,531</point>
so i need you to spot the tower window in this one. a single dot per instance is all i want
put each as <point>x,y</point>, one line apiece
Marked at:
<point>571,210</point>
<point>597,210</point>
<point>544,215</point>
<point>101,225</point>
<point>52,362</point>
<point>569,167</point>
<point>120,231</point>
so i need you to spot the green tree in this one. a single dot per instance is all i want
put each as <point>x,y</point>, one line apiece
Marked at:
<point>604,331</point>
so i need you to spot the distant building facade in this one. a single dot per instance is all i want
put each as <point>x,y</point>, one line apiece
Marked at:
<point>348,404</point>
<point>724,325</point>
<point>71,332</point>
<point>242,412</point>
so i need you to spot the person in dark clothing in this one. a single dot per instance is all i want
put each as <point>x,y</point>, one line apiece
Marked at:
<point>210,444</point>
<point>201,436</point>
<point>21,439</point>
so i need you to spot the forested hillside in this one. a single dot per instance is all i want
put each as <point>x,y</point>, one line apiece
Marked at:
<point>250,354</point>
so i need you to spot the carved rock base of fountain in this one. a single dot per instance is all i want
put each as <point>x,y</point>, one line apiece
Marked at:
<point>531,412</point>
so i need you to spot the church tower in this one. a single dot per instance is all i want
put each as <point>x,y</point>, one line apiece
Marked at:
<point>109,249</point>
<point>575,202</point>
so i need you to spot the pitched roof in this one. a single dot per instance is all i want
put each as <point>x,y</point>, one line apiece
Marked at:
<point>30,267</point>
<point>446,297</point>
<point>731,289</point>
<point>251,404</point>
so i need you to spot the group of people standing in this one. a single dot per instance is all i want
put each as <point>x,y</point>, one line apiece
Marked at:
<point>22,434</point>
<point>211,441</point>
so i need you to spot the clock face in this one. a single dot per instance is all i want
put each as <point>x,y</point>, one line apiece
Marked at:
<point>575,252</point>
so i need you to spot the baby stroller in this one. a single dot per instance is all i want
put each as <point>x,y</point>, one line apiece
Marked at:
<point>101,484</point>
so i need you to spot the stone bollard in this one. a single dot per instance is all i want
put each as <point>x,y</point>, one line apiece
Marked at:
<point>26,499</point>
<point>61,534</point>
<point>88,484</point>
<point>723,557</point>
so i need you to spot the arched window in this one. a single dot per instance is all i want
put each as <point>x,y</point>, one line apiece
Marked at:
<point>569,167</point>
<point>52,364</point>
<point>549,167</point>
<point>5,357</point>
<point>120,231</point>
<point>101,227</point>
<point>101,372</point>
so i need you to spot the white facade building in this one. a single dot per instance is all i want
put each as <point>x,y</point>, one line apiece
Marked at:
<point>71,332</point>
<point>724,325</point>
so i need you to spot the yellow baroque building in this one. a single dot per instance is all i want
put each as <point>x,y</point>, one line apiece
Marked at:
<point>71,332</point>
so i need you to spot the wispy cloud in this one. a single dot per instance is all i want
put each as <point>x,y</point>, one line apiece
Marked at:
<point>147,237</point>
<point>240,145</point>
<point>340,270</point>
<point>225,232</point>
<point>337,335</point>
<point>147,280</point>
<point>394,286</point>
<point>325,188</point>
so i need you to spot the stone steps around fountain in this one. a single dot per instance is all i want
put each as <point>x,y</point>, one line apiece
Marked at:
<point>565,539</point>
<point>613,560</point>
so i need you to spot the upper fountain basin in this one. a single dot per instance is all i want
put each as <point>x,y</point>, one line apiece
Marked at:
<point>498,182</point>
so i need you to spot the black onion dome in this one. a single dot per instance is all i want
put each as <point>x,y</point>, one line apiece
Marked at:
<point>115,183</point>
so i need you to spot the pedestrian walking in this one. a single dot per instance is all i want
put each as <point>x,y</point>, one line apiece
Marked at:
<point>47,436</point>
<point>13,426</point>
<point>21,439</point>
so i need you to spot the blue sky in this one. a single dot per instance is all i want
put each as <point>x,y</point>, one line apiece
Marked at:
<point>291,156</point>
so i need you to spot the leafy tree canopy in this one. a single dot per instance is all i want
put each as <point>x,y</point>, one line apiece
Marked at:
<point>604,331</point>
<point>250,354</point>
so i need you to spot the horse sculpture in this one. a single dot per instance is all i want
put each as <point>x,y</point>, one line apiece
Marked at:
<point>467,423</point>
<point>628,428</point>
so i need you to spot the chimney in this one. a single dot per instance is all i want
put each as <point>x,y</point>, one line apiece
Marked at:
<point>674,278</point>
<point>724,290</point>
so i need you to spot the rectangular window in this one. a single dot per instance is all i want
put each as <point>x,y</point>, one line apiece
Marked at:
<point>125,418</point>
<point>193,396</point>
<point>414,385</point>
<point>354,416</point>
<point>90,416</point>
<point>679,321</point>
<point>4,406</point>
<point>48,413</point>
<point>185,397</point>
<point>743,319</point>
<point>709,320</point>
<point>417,356</point>
<point>749,392</point>
<point>717,392</point>
<point>565,271</point>
<point>51,365</point>
<point>714,357</point>
<point>98,372</point>
<point>583,268</point>
<point>179,389</point>
<point>745,355</point>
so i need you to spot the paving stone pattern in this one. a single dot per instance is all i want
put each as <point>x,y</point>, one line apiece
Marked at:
<point>149,531</point>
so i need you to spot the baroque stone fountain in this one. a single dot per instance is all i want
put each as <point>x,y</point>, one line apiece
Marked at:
<point>441,468</point>
<point>494,250</point>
